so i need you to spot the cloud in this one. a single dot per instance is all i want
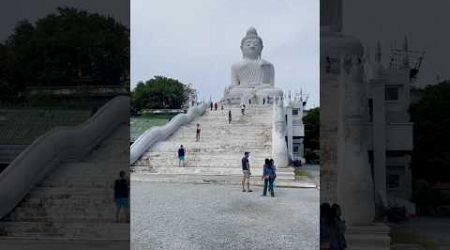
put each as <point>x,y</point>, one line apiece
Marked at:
<point>197,41</point>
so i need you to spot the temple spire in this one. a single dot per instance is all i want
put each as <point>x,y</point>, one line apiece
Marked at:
<point>405,52</point>
<point>378,53</point>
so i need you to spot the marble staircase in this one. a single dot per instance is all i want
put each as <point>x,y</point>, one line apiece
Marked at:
<point>220,148</point>
<point>76,200</point>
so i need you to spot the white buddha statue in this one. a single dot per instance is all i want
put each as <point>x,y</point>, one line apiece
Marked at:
<point>252,78</point>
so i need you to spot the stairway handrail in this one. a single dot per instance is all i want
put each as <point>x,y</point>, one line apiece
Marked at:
<point>55,146</point>
<point>158,133</point>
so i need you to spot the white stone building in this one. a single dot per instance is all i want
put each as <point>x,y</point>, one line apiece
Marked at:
<point>295,130</point>
<point>389,130</point>
<point>360,92</point>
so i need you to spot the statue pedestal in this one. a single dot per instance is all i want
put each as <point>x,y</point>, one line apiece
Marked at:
<point>255,94</point>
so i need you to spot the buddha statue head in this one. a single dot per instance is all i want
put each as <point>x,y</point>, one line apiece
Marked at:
<point>251,45</point>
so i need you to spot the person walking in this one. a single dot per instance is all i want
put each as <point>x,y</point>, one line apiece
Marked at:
<point>268,176</point>
<point>197,133</point>
<point>215,106</point>
<point>246,172</point>
<point>211,105</point>
<point>121,195</point>
<point>338,228</point>
<point>242,109</point>
<point>325,226</point>
<point>229,116</point>
<point>272,164</point>
<point>181,155</point>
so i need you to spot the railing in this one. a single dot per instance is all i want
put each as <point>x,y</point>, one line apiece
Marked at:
<point>156,134</point>
<point>57,145</point>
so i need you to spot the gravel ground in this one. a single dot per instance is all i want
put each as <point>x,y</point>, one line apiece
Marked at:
<point>206,216</point>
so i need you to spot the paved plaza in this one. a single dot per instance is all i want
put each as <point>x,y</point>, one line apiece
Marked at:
<point>207,216</point>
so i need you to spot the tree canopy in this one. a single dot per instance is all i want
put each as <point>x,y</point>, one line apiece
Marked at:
<point>65,48</point>
<point>431,117</point>
<point>160,93</point>
<point>312,132</point>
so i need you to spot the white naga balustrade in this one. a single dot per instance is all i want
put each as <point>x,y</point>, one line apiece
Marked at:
<point>156,134</point>
<point>58,145</point>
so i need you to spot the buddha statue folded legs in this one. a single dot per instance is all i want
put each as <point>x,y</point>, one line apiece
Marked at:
<point>252,77</point>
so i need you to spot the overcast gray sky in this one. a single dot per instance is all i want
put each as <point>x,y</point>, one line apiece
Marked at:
<point>197,41</point>
<point>426,23</point>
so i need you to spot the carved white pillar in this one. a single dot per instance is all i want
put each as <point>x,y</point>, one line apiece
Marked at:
<point>355,186</point>
<point>279,148</point>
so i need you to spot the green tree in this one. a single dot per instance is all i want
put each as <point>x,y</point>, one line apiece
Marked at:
<point>431,117</point>
<point>158,93</point>
<point>65,48</point>
<point>312,133</point>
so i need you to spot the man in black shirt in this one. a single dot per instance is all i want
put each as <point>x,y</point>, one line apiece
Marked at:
<point>181,154</point>
<point>246,172</point>
<point>121,195</point>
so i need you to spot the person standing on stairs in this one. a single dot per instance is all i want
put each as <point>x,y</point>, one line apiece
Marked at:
<point>246,172</point>
<point>215,106</point>
<point>229,116</point>
<point>181,154</point>
<point>242,109</point>
<point>211,105</point>
<point>197,133</point>
<point>121,195</point>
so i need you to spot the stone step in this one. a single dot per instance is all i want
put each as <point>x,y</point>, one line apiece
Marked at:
<point>217,179</point>
<point>161,161</point>
<point>76,200</point>
<point>80,180</point>
<point>407,247</point>
<point>171,159</point>
<point>358,241</point>
<point>68,230</point>
<point>214,170</point>
<point>64,192</point>
<point>64,213</point>
<point>376,236</point>
<point>232,128</point>
<point>214,156</point>
<point>237,149</point>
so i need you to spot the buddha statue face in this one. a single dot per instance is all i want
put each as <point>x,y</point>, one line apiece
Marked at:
<point>251,48</point>
<point>251,45</point>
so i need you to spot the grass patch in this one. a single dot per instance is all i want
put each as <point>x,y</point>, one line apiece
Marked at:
<point>140,124</point>
<point>152,116</point>
<point>302,173</point>
<point>412,238</point>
